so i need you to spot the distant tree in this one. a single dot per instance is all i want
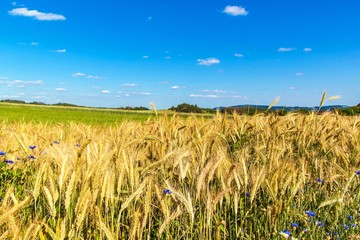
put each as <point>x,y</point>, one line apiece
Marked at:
<point>37,103</point>
<point>13,101</point>
<point>65,105</point>
<point>141,108</point>
<point>187,108</point>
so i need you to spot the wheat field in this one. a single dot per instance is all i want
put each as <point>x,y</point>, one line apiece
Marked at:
<point>227,177</point>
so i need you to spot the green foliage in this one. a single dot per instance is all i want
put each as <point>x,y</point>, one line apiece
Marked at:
<point>187,108</point>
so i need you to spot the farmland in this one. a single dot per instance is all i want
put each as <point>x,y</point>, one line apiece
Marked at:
<point>142,176</point>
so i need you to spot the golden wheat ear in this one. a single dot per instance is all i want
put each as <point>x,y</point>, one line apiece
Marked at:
<point>153,108</point>
<point>276,100</point>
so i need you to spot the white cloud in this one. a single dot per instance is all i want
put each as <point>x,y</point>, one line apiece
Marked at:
<point>203,96</point>
<point>130,85</point>
<point>4,78</point>
<point>61,89</point>
<point>36,14</point>
<point>60,51</point>
<point>235,11</point>
<point>105,91</point>
<point>283,49</point>
<point>20,82</point>
<point>208,61</point>
<point>38,97</point>
<point>239,55</point>
<point>299,74</point>
<point>214,91</point>
<point>167,57</point>
<point>79,74</point>
<point>307,49</point>
<point>141,93</point>
<point>10,96</point>
<point>94,77</point>
<point>175,87</point>
<point>145,57</point>
<point>34,44</point>
<point>240,97</point>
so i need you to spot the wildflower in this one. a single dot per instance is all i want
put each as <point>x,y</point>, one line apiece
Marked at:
<point>305,230</point>
<point>247,194</point>
<point>320,224</point>
<point>319,180</point>
<point>294,224</point>
<point>56,142</point>
<point>357,172</point>
<point>167,191</point>
<point>285,233</point>
<point>2,153</point>
<point>346,226</point>
<point>31,157</point>
<point>77,145</point>
<point>350,217</point>
<point>32,147</point>
<point>354,225</point>
<point>1,199</point>
<point>9,161</point>
<point>310,214</point>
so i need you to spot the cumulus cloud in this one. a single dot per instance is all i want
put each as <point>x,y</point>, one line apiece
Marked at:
<point>235,11</point>
<point>214,91</point>
<point>36,14</point>
<point>130,85</point>
<point>239,55</point>
<point>145,57</point>
<point>61,89</point>
<point>105,91</point>
<point>38,97</point>
<point>283,49</point>
<point>79,74</point>
<point>175,87</point>
<point>20,82</point>
<point>203,96</point>
<point>307,49</point>
<point>60,51</point>
<point>141,93</point>
<point>208,61</point>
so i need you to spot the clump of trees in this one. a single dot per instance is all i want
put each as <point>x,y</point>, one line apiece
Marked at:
<point>134,108</point>
<point>189,108</point>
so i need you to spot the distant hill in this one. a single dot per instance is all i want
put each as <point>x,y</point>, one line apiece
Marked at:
<point>289,109</point>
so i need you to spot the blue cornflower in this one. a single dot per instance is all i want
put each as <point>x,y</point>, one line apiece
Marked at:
<point>305,230</point>
<point>294,224</point>
<point>350,217</point>
<point>32,147</point>
<point>346,226</point>
<point>319,180</point>
<point>9,161</point>
<point>247,194</point>
<point>320,224</point>
<point>167,191</point>
<point>285,233</point>
<point>2,153</point>
<point>31,157</point>
<point>354,225</point>
<point>357,172</point>
<point>310,214</point>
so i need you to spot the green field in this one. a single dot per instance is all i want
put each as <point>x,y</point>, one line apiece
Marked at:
<point>57,114</point>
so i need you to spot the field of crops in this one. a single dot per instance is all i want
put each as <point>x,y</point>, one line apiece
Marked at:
<point>227,177</point>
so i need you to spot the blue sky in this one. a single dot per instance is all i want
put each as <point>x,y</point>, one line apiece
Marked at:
<point>210,53</point>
